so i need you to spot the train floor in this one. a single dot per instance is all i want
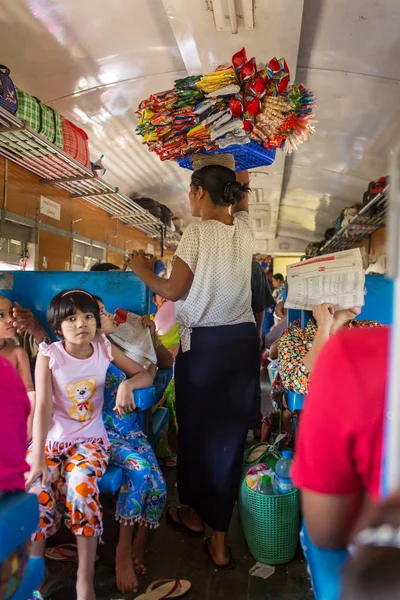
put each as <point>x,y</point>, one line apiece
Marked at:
<point>172,554</point>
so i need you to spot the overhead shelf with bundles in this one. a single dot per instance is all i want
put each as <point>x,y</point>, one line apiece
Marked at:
<point>241,109</point>
<point>368,219</point>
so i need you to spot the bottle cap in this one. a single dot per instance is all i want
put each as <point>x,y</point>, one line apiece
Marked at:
<point>266,479</point>
<point>287,454</point>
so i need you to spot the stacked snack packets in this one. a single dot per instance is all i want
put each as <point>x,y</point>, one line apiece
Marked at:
<point>231,106</point>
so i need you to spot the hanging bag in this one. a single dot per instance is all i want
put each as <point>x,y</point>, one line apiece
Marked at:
<point>40,117</point>
<point>8,94</point>
<point>75,142</point>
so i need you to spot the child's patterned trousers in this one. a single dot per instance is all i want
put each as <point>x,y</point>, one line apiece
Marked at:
<point>142,495</point>
<point>71,490</point>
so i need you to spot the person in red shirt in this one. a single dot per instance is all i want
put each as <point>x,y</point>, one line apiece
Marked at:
<point>339,446</point>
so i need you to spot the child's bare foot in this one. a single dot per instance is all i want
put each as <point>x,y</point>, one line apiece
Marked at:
<point>138,549</point>
<point>85,587</point>
<point>127,581</point>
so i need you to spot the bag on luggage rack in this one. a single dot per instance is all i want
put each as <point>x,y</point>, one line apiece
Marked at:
<point>160,211</point>
<point>39,117</point>
<point>375,188</point>
<point>8,94</point>
<point>75,142</point>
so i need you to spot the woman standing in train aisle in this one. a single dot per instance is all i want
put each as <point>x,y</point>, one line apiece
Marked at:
<point>218,365</point>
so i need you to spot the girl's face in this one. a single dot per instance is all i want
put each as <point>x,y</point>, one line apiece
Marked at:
<point>80,328</point>
<point>7,330</point>
<point>108,324</point>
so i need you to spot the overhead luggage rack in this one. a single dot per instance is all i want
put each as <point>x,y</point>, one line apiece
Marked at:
<point>27,148</point>
<point>370,218</point>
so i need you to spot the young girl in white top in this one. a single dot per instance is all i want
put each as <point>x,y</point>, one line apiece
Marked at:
<point>70,448</point>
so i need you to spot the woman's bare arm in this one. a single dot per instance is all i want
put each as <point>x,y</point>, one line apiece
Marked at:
<point>174,288</point>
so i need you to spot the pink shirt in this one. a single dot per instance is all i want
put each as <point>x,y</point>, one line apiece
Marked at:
<point>78,393</point>
<point>14,413</point>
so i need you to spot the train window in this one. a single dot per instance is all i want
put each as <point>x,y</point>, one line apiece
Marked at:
<point>84,255</point>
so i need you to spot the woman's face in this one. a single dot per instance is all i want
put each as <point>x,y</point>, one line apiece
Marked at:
<point>7,330</point>
<point>108,324</point>
<point>195,196</point>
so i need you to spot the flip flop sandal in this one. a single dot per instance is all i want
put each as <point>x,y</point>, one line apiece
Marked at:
<point>65,552</point>
<point>229,565</point>
<point>166,588</point>
<point>180,524</point>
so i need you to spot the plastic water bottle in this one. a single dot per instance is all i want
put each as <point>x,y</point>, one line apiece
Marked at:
<point>266,486</point>
<point>283,483</point>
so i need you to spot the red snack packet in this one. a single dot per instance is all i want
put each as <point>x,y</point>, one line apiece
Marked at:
<point>239,59</point>
<point>257,88</point>
<point>248,124</point>
<point>248,71</point>
<point>253,106</point>
<point>236,105</point>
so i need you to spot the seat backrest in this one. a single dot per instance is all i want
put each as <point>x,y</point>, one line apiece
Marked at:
<point>35,289</point>
<point>19,516</point>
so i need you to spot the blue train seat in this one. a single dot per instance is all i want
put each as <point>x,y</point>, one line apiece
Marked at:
<point>324,567</point>
<point>19,515</point>
<point>294,401</point>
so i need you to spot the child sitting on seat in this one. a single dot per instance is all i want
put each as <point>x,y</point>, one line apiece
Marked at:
<point>15,354</point>
<point>70,448</point>
<point>142,496</point>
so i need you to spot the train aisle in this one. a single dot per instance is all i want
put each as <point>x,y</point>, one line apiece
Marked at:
<point>174,554</point>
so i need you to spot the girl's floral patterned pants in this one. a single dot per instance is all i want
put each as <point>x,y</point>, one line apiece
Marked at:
<point>71,490</point>
<point>142,495</point>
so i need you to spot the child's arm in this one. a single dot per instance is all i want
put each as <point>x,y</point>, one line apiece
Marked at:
<point>164,357</point>
<point>24,369</point>
<point>41,420</point>
<point>139,379</point>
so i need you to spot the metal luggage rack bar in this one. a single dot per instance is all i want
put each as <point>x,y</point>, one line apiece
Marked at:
<point>27,148</point>
<point>362,225</point>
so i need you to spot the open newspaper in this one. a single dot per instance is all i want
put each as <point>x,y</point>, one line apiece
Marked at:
<point>133,339</point>
<point>336,279</point>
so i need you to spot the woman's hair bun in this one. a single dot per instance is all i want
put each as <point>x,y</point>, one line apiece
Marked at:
<point>234,192</point>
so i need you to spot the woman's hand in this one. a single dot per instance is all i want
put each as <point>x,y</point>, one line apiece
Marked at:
<point>324,314</point>
<point>38,469</point>
<point>124,403</point>
<point>24,320</point>
<point>140,262</point>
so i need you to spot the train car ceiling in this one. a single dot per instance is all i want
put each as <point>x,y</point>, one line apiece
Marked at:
<point>96,60</point>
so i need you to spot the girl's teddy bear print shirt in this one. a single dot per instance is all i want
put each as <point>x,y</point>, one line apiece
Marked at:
<point>78,393</point>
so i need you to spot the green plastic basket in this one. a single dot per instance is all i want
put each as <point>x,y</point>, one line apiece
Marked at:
<point>270,524</point>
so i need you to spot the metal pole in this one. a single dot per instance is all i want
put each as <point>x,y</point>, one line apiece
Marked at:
<point>391,447</point>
